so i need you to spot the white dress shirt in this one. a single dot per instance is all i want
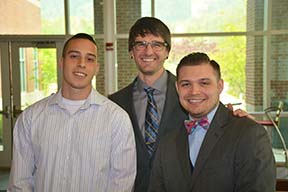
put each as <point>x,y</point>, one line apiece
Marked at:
<point>92,149</point>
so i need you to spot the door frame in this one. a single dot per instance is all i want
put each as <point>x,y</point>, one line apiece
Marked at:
<point>5,156</point>
<point>11,89</point>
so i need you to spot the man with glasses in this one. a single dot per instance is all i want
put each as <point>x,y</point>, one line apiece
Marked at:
<point>149,46</point>
<point>151,99</point>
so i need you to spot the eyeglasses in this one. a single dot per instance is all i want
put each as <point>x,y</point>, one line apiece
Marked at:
<point>155,45</point>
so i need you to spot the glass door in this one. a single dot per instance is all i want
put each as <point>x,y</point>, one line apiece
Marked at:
<point>5,116</point>
<point>28,74</point>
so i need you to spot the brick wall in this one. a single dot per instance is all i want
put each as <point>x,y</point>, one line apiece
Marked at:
<point>279,57</point>
<point>279,53</point>
<point>254,56</point>
<point>279,14</point>
<point>98,13</point>
<point>127,70</point>
<point>127,13</point>
<point>100,76</point>
<point>279,67</point>
<point>19,17</point>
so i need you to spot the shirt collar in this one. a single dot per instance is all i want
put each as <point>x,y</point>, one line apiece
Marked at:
<point>94,98</point>
<point>159,85</point>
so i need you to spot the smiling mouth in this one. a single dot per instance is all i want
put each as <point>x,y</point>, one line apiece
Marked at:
<point>148,59</point>
<point>195,100</point>
<point>80,74</point>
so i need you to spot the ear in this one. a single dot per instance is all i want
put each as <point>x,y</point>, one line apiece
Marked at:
<point>220,85</point>
<point>167,56</point>
<point>176,86</point>
<point>131,55</point>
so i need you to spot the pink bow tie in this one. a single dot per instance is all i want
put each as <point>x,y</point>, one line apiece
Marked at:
<point>192,124</point>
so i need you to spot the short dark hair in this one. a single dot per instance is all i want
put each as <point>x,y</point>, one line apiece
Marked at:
<point>149,25</point>
<point>77,36</point>
<point>197,58</point>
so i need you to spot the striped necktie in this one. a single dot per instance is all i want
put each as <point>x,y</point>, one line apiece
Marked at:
<point>151,120</point>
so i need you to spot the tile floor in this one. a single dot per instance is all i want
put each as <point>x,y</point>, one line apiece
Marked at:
<point>281,172</point>
<point>4,175</point>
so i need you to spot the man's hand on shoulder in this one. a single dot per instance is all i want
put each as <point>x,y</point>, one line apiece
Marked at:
<point>240,112</point>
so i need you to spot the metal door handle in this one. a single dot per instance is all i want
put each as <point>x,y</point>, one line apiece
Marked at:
<point>16,112</point>
<point>6,112</point>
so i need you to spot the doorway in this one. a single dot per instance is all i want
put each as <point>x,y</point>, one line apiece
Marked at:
<point>28,73</point>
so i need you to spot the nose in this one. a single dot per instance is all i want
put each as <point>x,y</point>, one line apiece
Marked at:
<point>82,63</point>
<point>149,48</point>
<point>194,89</point>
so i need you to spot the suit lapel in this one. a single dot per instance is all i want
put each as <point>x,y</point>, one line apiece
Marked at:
<point>183,154</point>
<point>214,133</point>
<point>171,103</point>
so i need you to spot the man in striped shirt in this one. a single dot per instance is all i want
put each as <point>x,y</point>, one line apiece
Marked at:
<point>76,139</point>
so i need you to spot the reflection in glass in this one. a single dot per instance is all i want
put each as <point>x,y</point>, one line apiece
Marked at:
<point>229,52</point>
<point>38,74</point>
<point>279,15</point>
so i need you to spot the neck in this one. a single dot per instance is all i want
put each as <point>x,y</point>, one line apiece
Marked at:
<point>76,94</point>
<point>149,79</point>
<point>197,117</point>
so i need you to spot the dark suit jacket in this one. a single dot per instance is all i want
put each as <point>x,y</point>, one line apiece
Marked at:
<point>172,115</point>
<point>235,156</point>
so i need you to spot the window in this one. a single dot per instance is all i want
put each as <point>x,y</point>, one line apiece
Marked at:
<point>46,17</point>
<point>208,26</point>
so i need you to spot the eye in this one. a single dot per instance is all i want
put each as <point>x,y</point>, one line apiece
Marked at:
<point>184,84</point>
<point>73,56</point>
<point>141,44</point>
<point>91,59</point>
<point>157,45</point>
<point>205,83</point>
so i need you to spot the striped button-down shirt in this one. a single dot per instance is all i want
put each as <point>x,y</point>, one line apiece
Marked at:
<point>92,149</point>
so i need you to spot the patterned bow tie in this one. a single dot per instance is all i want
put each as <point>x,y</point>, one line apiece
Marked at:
<point>192,124</point>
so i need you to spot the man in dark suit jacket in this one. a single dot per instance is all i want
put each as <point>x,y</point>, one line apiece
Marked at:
<point>218,153</point>
<point>149,46</point>
<point>171,117</point>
